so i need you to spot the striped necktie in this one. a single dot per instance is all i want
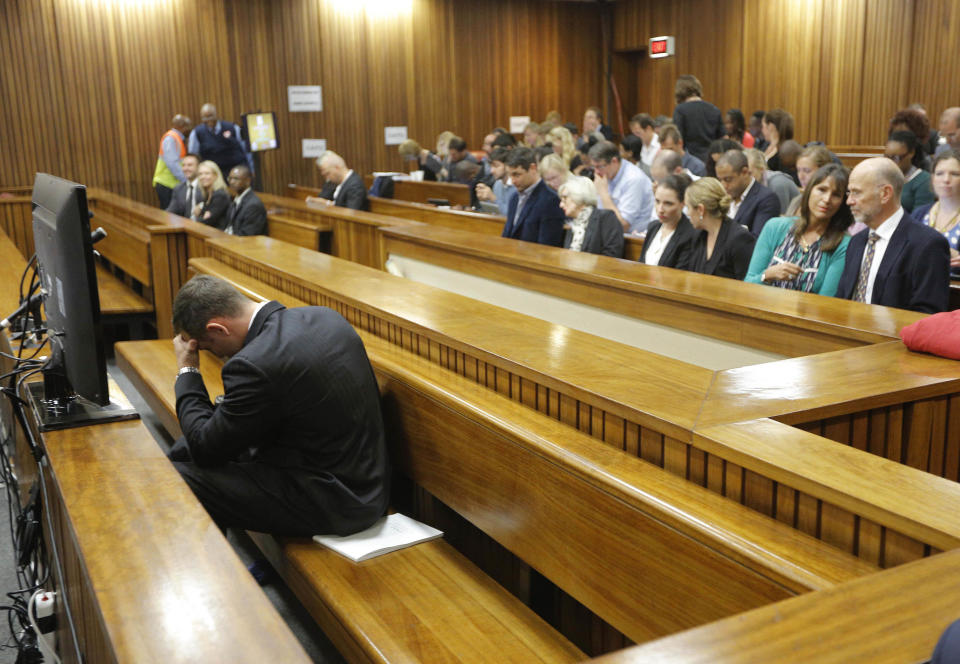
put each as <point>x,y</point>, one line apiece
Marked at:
<point>860,292</point>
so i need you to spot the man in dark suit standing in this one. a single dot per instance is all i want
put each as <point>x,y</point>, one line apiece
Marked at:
<point>297,446</point>
<point>753,204</point>
<point>246,215</point>
<point>534,214</point>
<point>186,194</point>
<point>895,261</point>
<point>349,191</point>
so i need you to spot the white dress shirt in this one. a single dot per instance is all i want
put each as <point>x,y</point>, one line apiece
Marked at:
<point>885,231</point>
<point>336,192</point>
<point>735,205</point>
<point>659,243</point>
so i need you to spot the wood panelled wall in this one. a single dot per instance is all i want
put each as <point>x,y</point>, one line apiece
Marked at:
<point>841,68</point>
<point>89,86</point>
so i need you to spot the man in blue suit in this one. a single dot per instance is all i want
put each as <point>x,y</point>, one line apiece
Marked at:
<point>895,261</point>
<point>534,214</point>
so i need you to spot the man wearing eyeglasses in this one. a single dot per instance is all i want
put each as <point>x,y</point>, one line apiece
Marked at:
<point>950,128</point>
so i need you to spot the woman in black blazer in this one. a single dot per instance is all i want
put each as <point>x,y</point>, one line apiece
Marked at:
<point>589,229</point>
<point>213,190</point>
<point>669,240</point>
<point>722,247</point>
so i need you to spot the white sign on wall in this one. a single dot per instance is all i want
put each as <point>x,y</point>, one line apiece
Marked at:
<point>304,98</point>
<point>518,123</point>
<point>313,147</point>
<point>394,135</point>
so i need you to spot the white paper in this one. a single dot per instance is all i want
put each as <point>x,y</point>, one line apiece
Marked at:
<point>518,123</point>
<point>304,98</point>
<point>390,533</point>
<point>313,147</point>
<point>394,135</point>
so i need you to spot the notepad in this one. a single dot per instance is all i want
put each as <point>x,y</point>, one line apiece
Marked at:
<point>391,533</point>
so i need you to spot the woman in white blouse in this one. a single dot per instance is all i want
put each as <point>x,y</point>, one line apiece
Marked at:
<point>670,238</point>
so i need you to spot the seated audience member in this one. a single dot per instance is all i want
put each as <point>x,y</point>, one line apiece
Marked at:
<point>591,230</point>
<point>752,203</point>
<point>426,161</point>
<point>561,140</point>
<point>809,162</point>
<point>186,194</point>
<point>553,171</point>
<point>535,214</point>
<point>670,238</point>
<point>531,134</point>
<point>916,121</point>
<point>944,215</point>
<point>807,253</point>
<point>631,149</point>
<point>349,191</point>
<point>622,187</point>
<point>735,126</point>
<point>756,130</point>
<point>543,131</point>
<point>487,148</point>
<point>716,150</point>
<point>246,214</point>
<point>218,141</point>
<point>505,141</point>
<point>950,129</point>
<point>593,122</point>
<point>586,166</point>
<point>443,142</point>
<point>781,184</point>
<point>671,139</point>
<point>789,153</point>
<point>471,174</point>
<point>668,162</point>
<point>895,261</point>
<point>905,151</point>
<point>642,126</point>
<point>297,447</point>
<point>456,152</point>
<point>698,121</point>
<point>777,127</point>
<point>554,118</point>
<point>502,191</point>
<point>214,200</point>
<point>721,246</point>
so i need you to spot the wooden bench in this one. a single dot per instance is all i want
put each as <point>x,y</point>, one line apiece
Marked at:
<point>851,155</point>
<point>301,232</point>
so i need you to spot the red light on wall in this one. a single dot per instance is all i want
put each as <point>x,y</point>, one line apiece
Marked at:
<point>660,47</point>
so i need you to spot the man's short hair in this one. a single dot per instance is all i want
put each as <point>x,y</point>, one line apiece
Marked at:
<point>504,141</point>
<point>642,119</point>
<point>500,154</point>
<point>604,152</point>
<point>522,158</point>
<point>202,299</point>
<point>596,111</point>
<point>195,156</point>
<point>735,159</point>
<point>466,170</point>
<point>790,150</point>
<point>671,160</point>
<point>457,143</point>
<point>242,170</point>
<point>633,145</point>
<point>670,132</point>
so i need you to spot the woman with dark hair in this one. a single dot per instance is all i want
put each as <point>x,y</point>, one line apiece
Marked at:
<point>904,149</point>
<point>736,127</point>
<point>721,246</point>
<point>670,238</point>
<point>944,215</point>
<point>915,120</point>
<point>777,127</point>
<point>716,150</point>
<point>699,121</point>
<point>807,252</point>
<point>630,148</point>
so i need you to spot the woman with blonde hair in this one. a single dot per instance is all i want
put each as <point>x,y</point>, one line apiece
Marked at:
<point>553,171</point>
<point>721,247</point>
<point>563,144</point>
<point>427,162</point>
<point>213,190</point>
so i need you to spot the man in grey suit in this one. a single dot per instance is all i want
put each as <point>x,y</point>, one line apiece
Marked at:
<point>186,194</point>
<point>350,191</point>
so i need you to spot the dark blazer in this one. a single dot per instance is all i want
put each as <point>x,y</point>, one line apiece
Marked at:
<point>914,273</point>
<point>677,251</point>
<point>757,208</point>
<point>540,220</point>
<point>604,235</point>
<point>731,253</point>
<point>250,218</point>
<point>178,199</point>
<point>301,396</point>
<point>353,194</point>
<point>217,206</point>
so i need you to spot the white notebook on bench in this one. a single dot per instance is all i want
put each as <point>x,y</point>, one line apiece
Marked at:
<point>391,533</point>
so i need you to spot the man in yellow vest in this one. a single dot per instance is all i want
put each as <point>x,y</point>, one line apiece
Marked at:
<point>168,173</point>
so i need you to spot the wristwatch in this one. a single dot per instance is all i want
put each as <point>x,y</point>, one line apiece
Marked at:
<point>184,370</point>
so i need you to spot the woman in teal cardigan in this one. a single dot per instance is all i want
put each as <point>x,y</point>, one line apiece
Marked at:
<point>807,253</point>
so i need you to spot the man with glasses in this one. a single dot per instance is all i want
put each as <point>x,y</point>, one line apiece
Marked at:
<point>950,128</point>
<point>622,187</point>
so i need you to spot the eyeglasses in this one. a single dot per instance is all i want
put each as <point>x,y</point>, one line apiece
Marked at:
<point>896,157</point>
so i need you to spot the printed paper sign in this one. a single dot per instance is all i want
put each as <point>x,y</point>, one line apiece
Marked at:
<point>303,98</point>
<point>518,123</point>
<point>314,147</point>
<point>394,135</point>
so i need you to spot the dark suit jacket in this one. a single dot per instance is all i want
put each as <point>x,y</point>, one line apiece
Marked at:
<point>914,273</point>
<point>217,206</point>
<point>757,208</point>
<point>540,220</point>
<point>302,395</point>
<point>353,194</point>
<point>250,218</point>
<point>677,251</point>
<point>731,252</point>
<point>178,199</point>
<point>604,235</point>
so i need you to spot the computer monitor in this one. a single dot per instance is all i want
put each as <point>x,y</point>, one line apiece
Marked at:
<point>74,390</point>
<point>261,130</point>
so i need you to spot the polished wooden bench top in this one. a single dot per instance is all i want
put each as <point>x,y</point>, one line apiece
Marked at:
<point>116,299</point>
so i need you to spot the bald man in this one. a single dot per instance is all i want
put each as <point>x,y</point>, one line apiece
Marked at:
<point>895,261</point>
<point>168,172</point>
<point>219,141</point>
<point>350,191</point>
